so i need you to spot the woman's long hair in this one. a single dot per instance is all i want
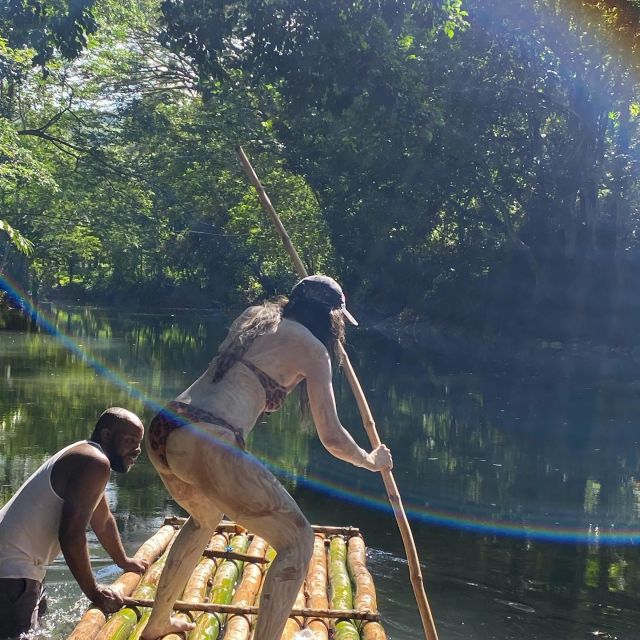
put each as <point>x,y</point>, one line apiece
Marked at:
<point>326,324</point>
<point>251,323</point>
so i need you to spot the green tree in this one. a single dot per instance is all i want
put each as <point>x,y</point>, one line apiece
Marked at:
<point>49,29</point>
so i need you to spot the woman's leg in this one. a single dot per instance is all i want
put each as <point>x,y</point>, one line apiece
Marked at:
<point>182,559</point>
<point>211,476</point>
<point>249,493</point>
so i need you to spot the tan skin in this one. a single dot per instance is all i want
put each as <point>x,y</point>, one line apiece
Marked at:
<point>209,476</point>
<point>80,478</point>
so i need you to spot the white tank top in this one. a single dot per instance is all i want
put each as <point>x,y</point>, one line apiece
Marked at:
<point>29,524</point>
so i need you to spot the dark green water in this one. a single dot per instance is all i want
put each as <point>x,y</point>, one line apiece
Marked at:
<point>522,483</point>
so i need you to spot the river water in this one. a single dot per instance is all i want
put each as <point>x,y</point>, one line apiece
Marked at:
<point>522,482</point>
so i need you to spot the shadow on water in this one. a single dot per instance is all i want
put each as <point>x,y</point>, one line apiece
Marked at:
<point>522,484</point>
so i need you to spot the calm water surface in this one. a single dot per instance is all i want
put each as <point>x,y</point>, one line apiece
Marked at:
<point>522,483</point>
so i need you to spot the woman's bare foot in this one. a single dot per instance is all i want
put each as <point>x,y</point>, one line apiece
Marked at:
<point>175,625</point>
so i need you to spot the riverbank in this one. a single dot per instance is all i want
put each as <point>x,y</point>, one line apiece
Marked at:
<point>525,355</point>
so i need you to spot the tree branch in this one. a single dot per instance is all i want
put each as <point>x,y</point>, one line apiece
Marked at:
<point>40,133</point>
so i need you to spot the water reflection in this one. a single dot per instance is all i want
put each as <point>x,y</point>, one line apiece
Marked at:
<point>540,452</point>
<point>549,455</point>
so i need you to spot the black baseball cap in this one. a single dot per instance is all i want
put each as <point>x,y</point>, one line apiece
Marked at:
<point>322,289</point>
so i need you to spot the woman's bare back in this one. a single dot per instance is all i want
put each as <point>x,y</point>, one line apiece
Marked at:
<point>288,355</point>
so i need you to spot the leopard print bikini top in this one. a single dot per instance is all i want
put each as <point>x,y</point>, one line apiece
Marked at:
<point>177,414</point>
<point>274,392</point>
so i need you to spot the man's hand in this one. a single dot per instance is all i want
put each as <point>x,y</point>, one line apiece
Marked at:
<point>106,599</point>
<point>136,566</point>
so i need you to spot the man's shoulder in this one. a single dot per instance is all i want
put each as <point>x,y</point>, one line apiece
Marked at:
<point>83,460</point>
<point>85,450</point>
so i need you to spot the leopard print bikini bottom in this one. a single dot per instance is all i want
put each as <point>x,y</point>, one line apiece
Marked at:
<point>178,414</point>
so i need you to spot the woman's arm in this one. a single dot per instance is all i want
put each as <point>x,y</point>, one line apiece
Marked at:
<point>335,438</point>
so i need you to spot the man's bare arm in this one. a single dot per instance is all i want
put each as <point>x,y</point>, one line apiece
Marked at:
<point>84,489</point>
<point>104,525</point>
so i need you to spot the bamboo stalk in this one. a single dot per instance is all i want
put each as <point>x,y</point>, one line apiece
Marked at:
<point>142,623</point>
<point>209,623</point>
<point>316,587</point>
<point>365,597</point>
<point>123,623</point>
<point>93,619</point>
<point>239,626</point>
<point>294,623</point>
<point>233,527</point>
<point>228,609</point>
<point>149,581</point>
<point>341,591</point>
<point>415,573</point>
<point>119,626</point>
<point>196,588</point>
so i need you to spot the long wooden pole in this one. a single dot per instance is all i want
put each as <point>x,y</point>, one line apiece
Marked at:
<point>415,573</point>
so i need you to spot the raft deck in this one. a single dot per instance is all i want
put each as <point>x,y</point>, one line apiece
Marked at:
<point>336,602</point>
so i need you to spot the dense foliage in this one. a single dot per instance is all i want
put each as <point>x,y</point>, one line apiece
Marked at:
<point>472,164</point>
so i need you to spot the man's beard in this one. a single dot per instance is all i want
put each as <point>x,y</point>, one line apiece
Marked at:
<point>117,463</point>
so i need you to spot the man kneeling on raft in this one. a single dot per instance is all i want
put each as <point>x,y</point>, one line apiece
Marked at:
<point>50,513</point>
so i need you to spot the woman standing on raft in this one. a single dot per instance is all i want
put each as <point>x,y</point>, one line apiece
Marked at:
<point>197,444</point>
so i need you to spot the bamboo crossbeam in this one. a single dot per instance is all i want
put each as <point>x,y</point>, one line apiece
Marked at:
<point>415,572</point>
<point>229,609</point>
<point>232,555</point>
<point>233,527</point>
<point>224,526</point>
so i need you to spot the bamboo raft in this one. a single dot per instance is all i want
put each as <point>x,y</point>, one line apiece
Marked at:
<point>336,602</point>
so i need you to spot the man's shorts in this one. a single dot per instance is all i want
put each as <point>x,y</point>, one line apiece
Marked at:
<point>22,602</point>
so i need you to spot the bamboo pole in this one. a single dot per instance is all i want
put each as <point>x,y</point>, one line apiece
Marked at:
<point>209,624</point>
<point>122,624</point>
<point>127,623</point>
<point>93,619</point>
<point>224,526</point>
<point>341,591</point>
<point>196,588</point>
<point>316,588</point>
<point>229,609</point>
<point>294,623</point>
<point>365,596</point>
<point>239,627</point>
<point>415,573</point>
